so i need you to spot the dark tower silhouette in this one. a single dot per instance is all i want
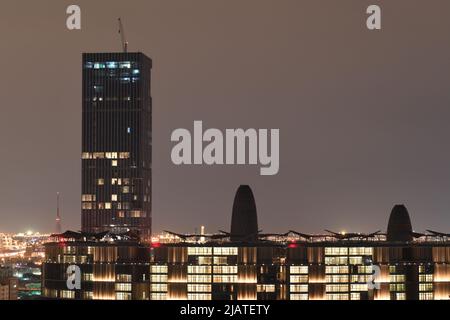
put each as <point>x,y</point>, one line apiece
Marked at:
<point>244,220</point>
<point>116,143</point>
<point>399,226</point>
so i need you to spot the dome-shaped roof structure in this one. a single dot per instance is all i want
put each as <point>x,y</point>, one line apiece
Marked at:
<point>244,220</point>
<point>399,226</point>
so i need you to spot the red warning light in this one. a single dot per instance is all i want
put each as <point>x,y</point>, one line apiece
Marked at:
<point>62,242</point>
<point>292,245</point>
<point>156,244</point>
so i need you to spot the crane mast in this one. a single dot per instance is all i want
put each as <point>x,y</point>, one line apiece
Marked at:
<point>123,37</point>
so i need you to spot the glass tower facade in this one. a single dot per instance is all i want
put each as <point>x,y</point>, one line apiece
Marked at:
<point>116,143</point>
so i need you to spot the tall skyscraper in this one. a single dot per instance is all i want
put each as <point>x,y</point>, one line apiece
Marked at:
<point>116,143</point>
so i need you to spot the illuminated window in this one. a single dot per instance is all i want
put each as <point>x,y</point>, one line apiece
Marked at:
<point>116,181</point>
<point>124,65</point>
<point>336,251</point>
<point>198,278</point>
<point>107,205</point>
<point>426,296</point>
<point>397,278</point>
<point>123,278</point>
<point>266,288</point>
<point>98,155</point>
<point>297,296</point>
<point>86,155</point>
<point>69,259</point>
<point>365,269</point>
<point>358,287</point>
<point>360,278</point>
<point>87,295</point>
<point>88,197</point>
<point>112,64</point>
<point>425,287</point>
<point>100,182</point>
<point>123,286</point>
<point>88,276</point>
<point>425,277</point>
<point>400,296</point>
<point>158,278</point>
<point>199,269</point>
<point>114,163</point>
<point>204,260</point>
<point>336,260</point>
<point>199,296</point>
<point>99,65</point>
<point>298,278</point>
<point>336,278</point>
<point>336,269</point>
<point>123,295</point>
<point>298,288</point>
<point>336,288</point>
<point>124,155</point>
<point>69,249</point>
<point>399,287</point>
<point>158,296</point>
<point>114,197</point>
<point>220,260</point>
<point>355,296</point>
<point>158,269</point>
<point>158,287</point>
<point>121,214</point>
<point>199,250</point>
<point>199,288</point>
<point>355,260</point>
<point>298,269</point>
<point>336,296</point>
<point>225,251</point>
<point>225,269</point>
<point>67,294</point>
<point>364,251</point>
<point>137,214</point>
<point>87,205</point>
<point>125,189</point>
<point>225,278</point>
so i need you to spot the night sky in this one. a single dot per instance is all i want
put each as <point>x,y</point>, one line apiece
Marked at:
<point>363,115</point>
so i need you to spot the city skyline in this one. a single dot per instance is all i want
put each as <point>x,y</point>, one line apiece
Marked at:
<point>245,264</point>
<point>360,130</point>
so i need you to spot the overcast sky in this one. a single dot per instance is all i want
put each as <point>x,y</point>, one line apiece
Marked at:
<point>363,115</point>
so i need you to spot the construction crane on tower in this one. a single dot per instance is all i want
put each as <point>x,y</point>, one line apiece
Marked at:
<point>123,38</point>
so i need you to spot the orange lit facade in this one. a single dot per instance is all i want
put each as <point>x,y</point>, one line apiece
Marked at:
<point>321,270</point>
<point>109,271</point>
